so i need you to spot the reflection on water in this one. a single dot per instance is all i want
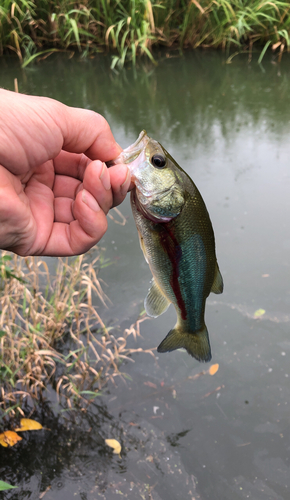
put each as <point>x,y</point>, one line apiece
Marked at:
<point>228,126</point>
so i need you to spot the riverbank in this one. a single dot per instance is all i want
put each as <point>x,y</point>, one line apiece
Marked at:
<point>132,28</point>
<point>52,336</point>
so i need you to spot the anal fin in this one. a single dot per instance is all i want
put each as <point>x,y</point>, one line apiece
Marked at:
<point>218,284</point>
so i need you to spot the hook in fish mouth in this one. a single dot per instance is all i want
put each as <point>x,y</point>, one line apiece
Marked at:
<point>131,152</point>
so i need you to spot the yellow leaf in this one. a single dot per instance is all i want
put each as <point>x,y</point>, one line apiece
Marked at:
<point>259,313</point>
<point>9,438</point>
<point>2,440</point>
<point>113,443</point>
<point>26,424</point>
<point>213,369</point>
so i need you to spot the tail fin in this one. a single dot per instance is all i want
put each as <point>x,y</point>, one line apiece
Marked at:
<point>197,343</point>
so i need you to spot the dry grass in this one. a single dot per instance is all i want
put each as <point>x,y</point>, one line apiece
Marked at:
<point>51,334</point>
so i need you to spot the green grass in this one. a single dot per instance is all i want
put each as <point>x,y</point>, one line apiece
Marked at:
<point>131,28</point>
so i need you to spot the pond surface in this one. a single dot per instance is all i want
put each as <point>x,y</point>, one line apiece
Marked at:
<point>184,436</point>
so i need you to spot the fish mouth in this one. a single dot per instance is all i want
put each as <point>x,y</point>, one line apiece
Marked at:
<point>132,152</point>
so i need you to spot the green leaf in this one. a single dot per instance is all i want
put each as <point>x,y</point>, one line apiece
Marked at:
<point>5,257</point>
<point>76,32</point>
<point>5,486</point>
<point>264,51</point>
<point>115,60</point>
<point>30,59</point>
<point>91,394</point>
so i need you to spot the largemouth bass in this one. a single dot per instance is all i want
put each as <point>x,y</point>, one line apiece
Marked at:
<point>178,243</point>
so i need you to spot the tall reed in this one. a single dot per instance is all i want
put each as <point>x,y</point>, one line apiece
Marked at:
<point>131,28</point>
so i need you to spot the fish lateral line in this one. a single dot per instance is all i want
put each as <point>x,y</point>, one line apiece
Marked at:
<point>174,252</point>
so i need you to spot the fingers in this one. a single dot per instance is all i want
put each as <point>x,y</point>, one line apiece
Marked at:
<point>71,164</point>
<point>81,223</point>
<point>14,212</point>
<point>65,186</point>
<point>121,181</point>
<point>70,169</point>
<point>63,196</point>
<point>97,182</point>
<point>36,129</point>
<point>63,210</point>
<point>108,185</point>
<point>85,131</point>
<point>81,234</point>
<point>78,210</point>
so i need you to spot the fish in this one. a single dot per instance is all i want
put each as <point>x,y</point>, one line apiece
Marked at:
<point>178,243</point>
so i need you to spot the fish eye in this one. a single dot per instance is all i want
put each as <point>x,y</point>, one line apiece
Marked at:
<point>158,161</point>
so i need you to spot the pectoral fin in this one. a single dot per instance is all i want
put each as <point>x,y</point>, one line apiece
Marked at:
<point>196,344</point>
<point>155,302</point>
<point>218,284</point>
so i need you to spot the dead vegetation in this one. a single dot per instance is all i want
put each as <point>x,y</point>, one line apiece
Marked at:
<point>51,334</point>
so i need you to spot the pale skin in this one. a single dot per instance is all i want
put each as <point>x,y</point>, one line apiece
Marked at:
<point>55,189</point>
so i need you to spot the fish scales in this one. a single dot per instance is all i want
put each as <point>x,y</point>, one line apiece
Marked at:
<point>177,240</point>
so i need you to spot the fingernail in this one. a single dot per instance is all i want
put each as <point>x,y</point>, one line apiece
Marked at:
<point>125,186</point>
<point>105,178</point>
<point>89,200</point>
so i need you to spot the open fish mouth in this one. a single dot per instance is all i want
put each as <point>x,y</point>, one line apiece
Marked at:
<point>132,152</point>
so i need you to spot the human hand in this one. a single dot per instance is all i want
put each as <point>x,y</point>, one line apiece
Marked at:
<point>55,190</point>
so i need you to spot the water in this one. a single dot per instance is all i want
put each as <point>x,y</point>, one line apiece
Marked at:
<point>221,437</point>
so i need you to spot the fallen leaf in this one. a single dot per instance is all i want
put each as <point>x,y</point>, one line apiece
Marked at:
<point>212,392</point>
<point>9,438</point>
<point>44,492</point>
<point>197,375</point>
<point>150,384</point>
<point>113,443</point>
<point>213,369</point>
<point>2,441</point>
<point>27,424</point>
<point>259,313</point>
